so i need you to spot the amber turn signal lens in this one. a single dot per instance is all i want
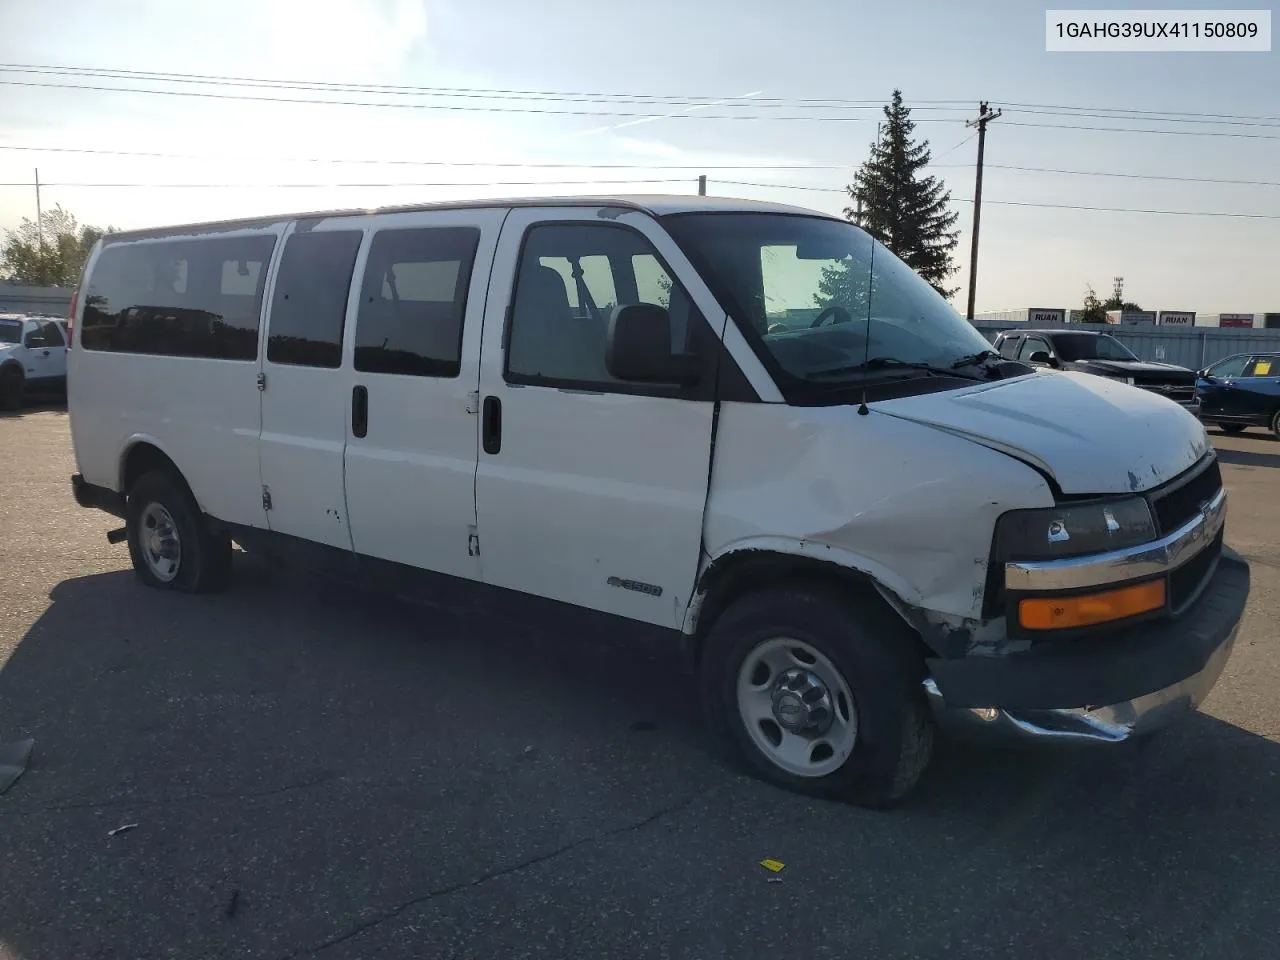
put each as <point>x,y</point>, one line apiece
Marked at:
<point>1062,613</point>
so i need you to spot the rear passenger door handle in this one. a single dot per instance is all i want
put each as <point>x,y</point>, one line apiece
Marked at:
<point>359,411</point>
<point>491,425</point>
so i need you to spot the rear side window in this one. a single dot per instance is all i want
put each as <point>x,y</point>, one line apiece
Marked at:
<point>1009,347</point>
<point>309,304</point>
<point>172,298</point>
<point>52,334</point>
<point>413,301</point>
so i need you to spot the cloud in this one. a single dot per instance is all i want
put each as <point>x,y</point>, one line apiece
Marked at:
<point>358,36</point>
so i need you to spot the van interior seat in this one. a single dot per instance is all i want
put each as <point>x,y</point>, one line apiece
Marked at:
<point>546,338</point>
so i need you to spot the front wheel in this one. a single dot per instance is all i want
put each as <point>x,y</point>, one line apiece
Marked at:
<point>11,388</point>
<point>1275,424</point>
<point>819,693</point>
<point>170,542</point>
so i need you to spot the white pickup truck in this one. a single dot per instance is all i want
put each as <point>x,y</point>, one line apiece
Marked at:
<point>33,357</point>
<point>747,427</point>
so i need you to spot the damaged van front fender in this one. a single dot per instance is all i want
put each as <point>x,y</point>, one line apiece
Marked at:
<point>909,506</point>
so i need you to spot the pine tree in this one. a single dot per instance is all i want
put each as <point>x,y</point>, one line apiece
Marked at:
<point>907,212</point>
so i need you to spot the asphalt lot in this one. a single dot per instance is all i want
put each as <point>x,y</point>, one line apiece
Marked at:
<point>313,774</point>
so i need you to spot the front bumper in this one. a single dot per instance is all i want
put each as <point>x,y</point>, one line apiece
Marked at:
<point>1104,689</point>
<point>93,497</point>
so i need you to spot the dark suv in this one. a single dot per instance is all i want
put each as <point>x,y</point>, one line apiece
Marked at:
<point>1101,354</point>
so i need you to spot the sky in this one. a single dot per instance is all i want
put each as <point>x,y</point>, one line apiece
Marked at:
<point>737,51</point>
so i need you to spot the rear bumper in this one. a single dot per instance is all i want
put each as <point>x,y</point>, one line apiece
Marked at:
<point>1101,689</point>
<point>97,498</point>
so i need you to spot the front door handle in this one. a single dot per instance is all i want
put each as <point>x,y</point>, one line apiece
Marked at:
<point>359,411</point>
<point>491,425</point>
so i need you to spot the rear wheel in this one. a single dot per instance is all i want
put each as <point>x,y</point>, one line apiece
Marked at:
<point>1231,428</point>
<point>12,383</point>
<point>820,694</point>
<point>170,542</point>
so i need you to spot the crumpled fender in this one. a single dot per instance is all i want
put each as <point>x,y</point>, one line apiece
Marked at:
<point>910,506</point>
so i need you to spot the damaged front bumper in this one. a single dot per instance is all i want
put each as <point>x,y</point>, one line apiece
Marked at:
<point>1106,688</point>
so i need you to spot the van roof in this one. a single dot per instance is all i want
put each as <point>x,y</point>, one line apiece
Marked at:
<point>655,204</point>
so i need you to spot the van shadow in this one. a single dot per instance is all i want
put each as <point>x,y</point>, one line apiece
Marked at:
<point>295,757</point>
<point>271,737</point>
<point>32,405</point>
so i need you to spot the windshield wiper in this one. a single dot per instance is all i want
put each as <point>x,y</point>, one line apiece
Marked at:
<point>888,363</point>
<point>975,358</point>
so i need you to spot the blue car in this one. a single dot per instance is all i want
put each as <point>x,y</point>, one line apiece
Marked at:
<point>1241,391</point>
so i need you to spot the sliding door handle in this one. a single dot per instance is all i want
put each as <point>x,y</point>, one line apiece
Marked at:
<point>491,425</point>
<point>359,411</point>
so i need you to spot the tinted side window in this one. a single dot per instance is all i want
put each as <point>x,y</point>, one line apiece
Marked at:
<point>1009,347</point>
<point>570,278</point>
<point>169,298</point>
<point>413,301</point>
<point>309,304</point>
<point>1261,367</point>
<point>1233,367</point>
<point>1032,345</point>
<point>52,334</point>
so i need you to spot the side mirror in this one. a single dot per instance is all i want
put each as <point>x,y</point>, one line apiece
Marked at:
<point>35,340</point>
<point>639,347</point>
<point>1042,358</point>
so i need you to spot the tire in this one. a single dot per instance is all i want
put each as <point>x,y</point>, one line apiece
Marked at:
<point>12,385</point>
<point>1231,428</point>
<point>875,660</point>
<point>161,515</point>
<point>1275,424</point>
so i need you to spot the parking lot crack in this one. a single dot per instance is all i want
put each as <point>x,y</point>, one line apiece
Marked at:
<point>391,913</point>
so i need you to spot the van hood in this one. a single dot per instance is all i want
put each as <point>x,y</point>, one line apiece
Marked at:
<point>1130,368</point>
<point>1091,434</point>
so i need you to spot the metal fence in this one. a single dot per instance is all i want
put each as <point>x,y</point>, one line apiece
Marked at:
<point>1191,347</point>
<point>50,300</point>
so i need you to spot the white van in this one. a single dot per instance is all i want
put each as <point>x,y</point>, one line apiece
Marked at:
<point>748,426</point>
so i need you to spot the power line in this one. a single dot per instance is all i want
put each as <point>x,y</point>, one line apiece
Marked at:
<point>1133,115</point>
<point>1136,110</point>
<point>1138,176</point>
<point>453,107</point>
<point>487,92</point>
<point>1171,133</point>
<point>673,100</point>
<point>328,186</point>
<point>436,163</point>
<point>1020,203</point>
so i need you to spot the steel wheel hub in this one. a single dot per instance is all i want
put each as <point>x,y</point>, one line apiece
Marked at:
<point>796,707</point>
<point>802,703</point>
<point>161,546</point>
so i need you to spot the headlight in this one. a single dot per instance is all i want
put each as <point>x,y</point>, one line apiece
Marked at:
<point>1073,529</point>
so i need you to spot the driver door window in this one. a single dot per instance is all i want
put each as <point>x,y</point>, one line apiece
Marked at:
<point>1229,369</point>
<point>570,279</point>
<point>1033,345</point>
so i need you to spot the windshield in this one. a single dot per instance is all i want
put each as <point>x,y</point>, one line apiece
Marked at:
<point>1090,346</point>
<point>10,331</point>
<point>810,289</point>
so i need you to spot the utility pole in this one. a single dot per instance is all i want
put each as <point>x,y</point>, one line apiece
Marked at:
<point>39,224</point>
<point>702,185</point>
<point>985,116</point>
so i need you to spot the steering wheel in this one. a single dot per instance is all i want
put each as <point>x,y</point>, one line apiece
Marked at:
<point>837,313</point>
